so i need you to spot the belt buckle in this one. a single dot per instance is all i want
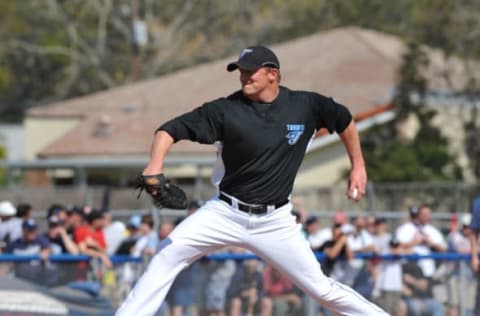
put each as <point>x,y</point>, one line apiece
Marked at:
<point>256,209</point>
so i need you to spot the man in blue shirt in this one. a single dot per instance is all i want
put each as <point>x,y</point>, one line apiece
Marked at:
<point>31,243</point>
<point>475,226</point>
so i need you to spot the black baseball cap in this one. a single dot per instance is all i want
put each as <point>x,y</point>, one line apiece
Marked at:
<point>255,57</point>
<point>29,224</point>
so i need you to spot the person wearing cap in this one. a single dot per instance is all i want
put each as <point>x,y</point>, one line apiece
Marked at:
<point>60,241</point>
<point>461,280</point>
<point>75,219</point>
<point>419,236</point>
<point>10,225</point>
<point>30,243</point>
<point>264,129</point>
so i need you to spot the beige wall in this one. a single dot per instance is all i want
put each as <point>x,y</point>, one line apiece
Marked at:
<point>40,132</point>
<point>323,166</point>
<point>450,120</point>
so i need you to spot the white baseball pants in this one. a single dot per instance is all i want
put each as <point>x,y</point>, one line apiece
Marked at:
<point>274,237</point>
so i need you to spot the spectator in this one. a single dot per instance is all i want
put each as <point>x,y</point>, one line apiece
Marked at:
<point>75,219</point>
<point>422,238</point>
<point>381,237</point>
<point>90,238</point>
<point>313,232</point>
<point>246,289</point>
<point>388,282</point>
<point>281,297</point>
<point>461,281</point>
<point>182,294</point>
<point>164,229</point>
<point>359,269</point>
<point>337,251</point>
<point>147,243</point>
<point>370,227</point>
<point>475,227</point>
<point>417,291</point>
<point>24,211</point>
<point>219,274</point>
<point>316,236</point>
<point>60,241</point>
<point>10,226</point>
<point>133,235</point>
<point>115,233</point>
<point>30,243</point>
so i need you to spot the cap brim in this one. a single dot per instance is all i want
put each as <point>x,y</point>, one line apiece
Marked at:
<point>247,66</point>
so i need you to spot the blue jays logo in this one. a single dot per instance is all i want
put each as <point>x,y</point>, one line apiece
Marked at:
<point>294,133</point>
<point>244,52</point>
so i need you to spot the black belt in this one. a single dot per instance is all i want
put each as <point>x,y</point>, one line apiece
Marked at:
<point>251,208</point>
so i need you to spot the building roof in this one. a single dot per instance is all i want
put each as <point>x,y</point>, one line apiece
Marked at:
<point>357,67</point>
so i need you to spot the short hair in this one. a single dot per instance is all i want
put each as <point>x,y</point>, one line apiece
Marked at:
<point>148,220</point>
<point>23,209</point>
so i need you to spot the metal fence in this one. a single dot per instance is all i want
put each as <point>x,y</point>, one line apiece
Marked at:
<point>445,197</point>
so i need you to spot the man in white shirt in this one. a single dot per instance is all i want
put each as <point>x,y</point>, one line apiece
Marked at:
<point>421,237</point>
<point>10,226</point>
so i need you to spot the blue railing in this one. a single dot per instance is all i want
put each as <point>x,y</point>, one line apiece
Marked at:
<point>450,256</point>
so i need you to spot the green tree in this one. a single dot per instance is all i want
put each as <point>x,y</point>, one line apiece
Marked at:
<point>3,155</point>
<point>392,157</point>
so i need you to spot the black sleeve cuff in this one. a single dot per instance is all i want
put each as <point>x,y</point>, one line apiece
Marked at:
<point>344,117</point>
<point>175,129</point>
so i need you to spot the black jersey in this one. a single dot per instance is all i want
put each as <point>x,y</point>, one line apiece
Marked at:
<point>263,144</point>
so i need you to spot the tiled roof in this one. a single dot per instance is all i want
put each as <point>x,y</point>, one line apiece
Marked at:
<point>355,66</point>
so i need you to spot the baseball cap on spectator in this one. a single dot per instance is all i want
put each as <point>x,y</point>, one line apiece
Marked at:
<point>413,210</point>
<point>347,229</point>
<point>54,220</point>
<point>135,221</point>
<point>255,57</point>
<point>55,209</point>
<point>339,218</point>
<point>29,224</point>
<point>75,210</point>
<point>466,219</point>
<point>7,209</point>
<point>311,219</point>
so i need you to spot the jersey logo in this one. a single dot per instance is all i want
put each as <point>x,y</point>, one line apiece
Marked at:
<point>294,133</point>
<point>244,52</point>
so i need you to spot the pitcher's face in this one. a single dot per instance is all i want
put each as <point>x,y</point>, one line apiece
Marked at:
<point>254,82</point>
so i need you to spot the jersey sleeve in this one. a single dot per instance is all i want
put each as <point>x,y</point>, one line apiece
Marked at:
<point>203,125</point>
<point>329,114</point>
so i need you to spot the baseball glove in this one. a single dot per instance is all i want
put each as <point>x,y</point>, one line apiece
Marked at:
<point>163,193</point>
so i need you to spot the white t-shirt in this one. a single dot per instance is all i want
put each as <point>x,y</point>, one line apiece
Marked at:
<point>390,275</point>
<point>358,242</point>
<point>11,228</point>
<point>408,231</point>
<point>320,237</point>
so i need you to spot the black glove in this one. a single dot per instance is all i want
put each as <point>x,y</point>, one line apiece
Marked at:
<point>163,193</point>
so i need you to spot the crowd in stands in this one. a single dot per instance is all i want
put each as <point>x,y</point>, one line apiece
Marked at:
<point>248,287</point>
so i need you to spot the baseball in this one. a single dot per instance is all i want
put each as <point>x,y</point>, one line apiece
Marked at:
<point>354,193</point>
